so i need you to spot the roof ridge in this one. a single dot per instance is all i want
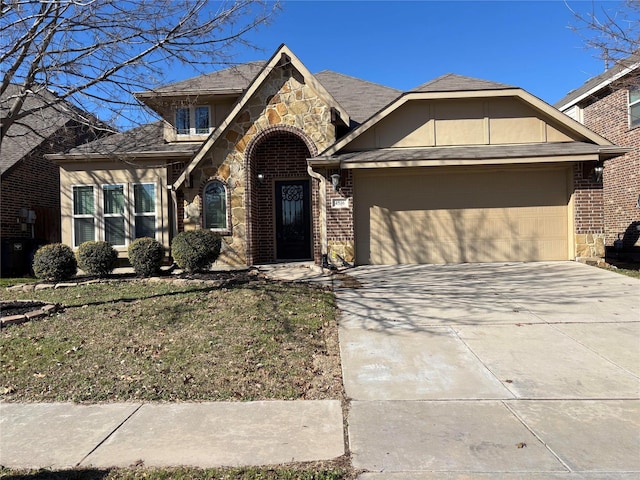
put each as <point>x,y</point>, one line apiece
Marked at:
<point>486,84</point>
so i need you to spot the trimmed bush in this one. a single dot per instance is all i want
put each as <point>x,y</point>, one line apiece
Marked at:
<point>97,258</point>
<point>145,256</point>
<point>196,250</point>
<point>55,261</point>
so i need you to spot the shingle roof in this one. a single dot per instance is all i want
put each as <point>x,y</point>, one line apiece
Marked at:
<point>451,82</point>
<point>144,139</point>
<point>28,133</point>
<point>631,63</point>
<point>474,152</point>
<point>237,77</point>
<point>360,98</point>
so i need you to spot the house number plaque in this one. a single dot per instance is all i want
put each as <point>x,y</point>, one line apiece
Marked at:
<point>339,203</point>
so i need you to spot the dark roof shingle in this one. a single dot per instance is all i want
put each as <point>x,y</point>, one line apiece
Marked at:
<point>451,82</point>
<point>360,98</point>
<point>30,132</point>
<point>147,138</point>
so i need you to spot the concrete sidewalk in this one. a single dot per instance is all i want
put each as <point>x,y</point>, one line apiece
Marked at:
<point>63,435</point>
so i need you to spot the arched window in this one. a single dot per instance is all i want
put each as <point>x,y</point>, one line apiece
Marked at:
<point>215,206</point>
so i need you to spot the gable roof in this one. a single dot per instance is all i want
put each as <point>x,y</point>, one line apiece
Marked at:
<point>349,92</point>
<point>282,53</point>
<point>597,83</point>
<point>468,88</point>
<point>451,82</point>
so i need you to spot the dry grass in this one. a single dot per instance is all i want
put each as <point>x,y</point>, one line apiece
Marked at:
<point>338,469</point>
<point>249,339</point>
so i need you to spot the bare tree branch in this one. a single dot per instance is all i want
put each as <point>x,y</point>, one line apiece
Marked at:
<point>613,31</point>
<point>96,53</point>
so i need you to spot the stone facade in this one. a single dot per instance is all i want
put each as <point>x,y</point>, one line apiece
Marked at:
<point>284,102</point>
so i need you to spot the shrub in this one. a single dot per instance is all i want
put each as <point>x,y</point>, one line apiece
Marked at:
<point>55,261</point>
<point>97,258</point>
<point>145,256</point>
<point>196,250</point>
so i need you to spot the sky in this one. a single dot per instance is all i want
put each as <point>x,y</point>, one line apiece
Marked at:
<point>529,44</point>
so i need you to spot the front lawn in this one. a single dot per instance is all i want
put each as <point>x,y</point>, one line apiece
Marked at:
<point>332,470</point>
<point>135,340</point>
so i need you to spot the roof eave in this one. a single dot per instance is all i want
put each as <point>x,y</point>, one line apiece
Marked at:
<point>455,162</point>
<point>570,103</point>
<point>82,157</point>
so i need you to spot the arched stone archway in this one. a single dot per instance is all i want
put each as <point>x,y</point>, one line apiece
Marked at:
<point>281,197</point>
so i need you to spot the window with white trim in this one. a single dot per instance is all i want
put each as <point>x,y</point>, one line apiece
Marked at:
<point>634,107</point>
<point>144,200</point>
<point>215,206</point>
<point>84,211</point>
<point>194,120</point>
<point>183,124</point>
<point>114,214</point>
<point>120,213</point>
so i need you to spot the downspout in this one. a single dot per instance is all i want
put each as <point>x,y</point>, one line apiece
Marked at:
<point>174,217</point>
<point>322,194</point>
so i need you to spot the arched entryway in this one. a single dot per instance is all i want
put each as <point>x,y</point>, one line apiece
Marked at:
<point>281,197</point>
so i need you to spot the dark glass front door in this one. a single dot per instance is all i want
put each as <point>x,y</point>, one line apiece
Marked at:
<point>293,220</point>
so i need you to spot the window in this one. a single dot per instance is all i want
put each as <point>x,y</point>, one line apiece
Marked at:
<point>114,221</point>
<point>202,120</point>
<point>215,206</point>
<point>193,120</point>
<point>144,199</point>
<point>183,126</point>
<point>634,107</point>
<point>118,214</point>
<point>84,227</point>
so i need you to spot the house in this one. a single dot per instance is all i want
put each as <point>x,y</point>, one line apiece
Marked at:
<point>288,165</point>
<point>30,183</point>
<point>610,105</point>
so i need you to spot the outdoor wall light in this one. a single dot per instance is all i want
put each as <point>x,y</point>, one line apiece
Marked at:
<point>597,174</point>
<point>335,181</point>
<point>260,177</point>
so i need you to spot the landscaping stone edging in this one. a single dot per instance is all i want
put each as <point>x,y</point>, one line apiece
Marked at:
<point>43,311</point>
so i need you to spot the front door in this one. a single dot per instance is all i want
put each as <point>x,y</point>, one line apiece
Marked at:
<point>293,220</point>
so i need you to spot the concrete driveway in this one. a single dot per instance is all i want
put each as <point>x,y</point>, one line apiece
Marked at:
<point>509,371</point>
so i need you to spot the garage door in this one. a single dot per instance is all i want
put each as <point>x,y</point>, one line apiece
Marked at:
<point>438,215</point>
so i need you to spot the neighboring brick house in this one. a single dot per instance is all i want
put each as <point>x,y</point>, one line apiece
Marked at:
<point>609,104</point>
<point>287,165</point>
<point>30,183</point>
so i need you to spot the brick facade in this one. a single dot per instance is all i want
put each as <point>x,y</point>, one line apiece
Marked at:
<point>33,183</point>
<point>607,115</point>
<point>278,155</point>
<point>340,234</point>
<point>589,212</point>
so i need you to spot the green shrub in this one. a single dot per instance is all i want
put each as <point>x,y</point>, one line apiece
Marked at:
<point>55,261</point>
<point>97,258</point>
<point>196,250</point>
<point>145,256</point>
